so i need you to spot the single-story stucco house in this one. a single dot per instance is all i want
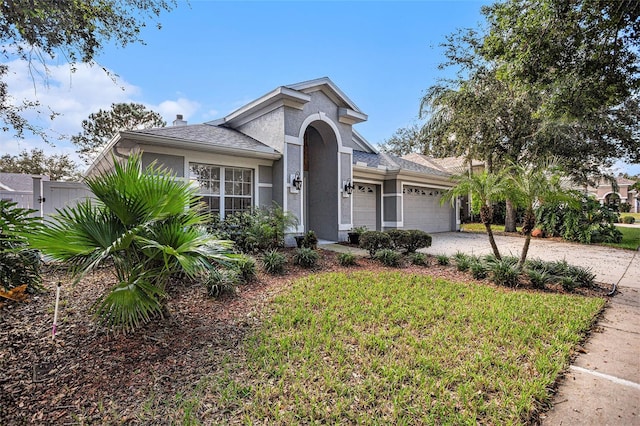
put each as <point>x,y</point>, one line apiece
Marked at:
<point>297,146</point>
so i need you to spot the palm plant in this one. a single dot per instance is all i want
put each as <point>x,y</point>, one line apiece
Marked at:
<point>531,187</point>
<point>485,188</point>
<point>148,224</point>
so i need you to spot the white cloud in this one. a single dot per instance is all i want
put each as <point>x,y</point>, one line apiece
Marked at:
<point>74,95</point>
<point>170,108</point>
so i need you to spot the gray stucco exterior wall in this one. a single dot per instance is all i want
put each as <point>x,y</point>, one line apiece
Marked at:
<point>173,163</point>
<point>392,202</point>
<point>267,129</point>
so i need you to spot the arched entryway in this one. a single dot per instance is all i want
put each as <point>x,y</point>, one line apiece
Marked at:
<point>612,200</point>
<point>320,194</point>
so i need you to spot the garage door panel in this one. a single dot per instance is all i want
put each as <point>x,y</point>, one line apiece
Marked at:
<point>422,210</point>
<point>364,206</point>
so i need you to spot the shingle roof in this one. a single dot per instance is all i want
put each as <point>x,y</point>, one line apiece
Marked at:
<point>449,164</point>
<point>210,134</point>
<point>394,162</point>
<point>19,182</point>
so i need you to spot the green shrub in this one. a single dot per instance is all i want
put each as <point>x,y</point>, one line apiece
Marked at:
<point>246,267</point>
<point>504,272</point>
<point>310,240</point>
<point>372,241</point>
<point>478,269</point>
<point>19,264</point>
<point>442,259</point>
<point>306,257</point>
<point>463,264</point>
<point>220,281</point>
<point>539,277</point>
<point>388,257</point>
<point>347,259</point>
<point>255,231</point>
<point>274,262</point>
<point>416,239</point>
<point>628,219</point>
<point>398,238</point>
<point>568,283</point>
<point>419,259</point>
<point>625,207</point>
<point>583,277</point>
<point>588,223</point>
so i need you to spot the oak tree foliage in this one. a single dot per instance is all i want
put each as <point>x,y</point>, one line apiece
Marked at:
<point>74,30</point>
<point>57,166</point>
<point>103,125</point>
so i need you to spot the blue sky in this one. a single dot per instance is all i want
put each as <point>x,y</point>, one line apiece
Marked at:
<point>211,57</point>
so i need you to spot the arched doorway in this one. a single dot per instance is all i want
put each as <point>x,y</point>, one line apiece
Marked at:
<point>320,152</point>
<point>612,200</point>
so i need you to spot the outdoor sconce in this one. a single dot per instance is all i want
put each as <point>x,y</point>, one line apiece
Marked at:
<point>296,182</point>
<point>347,186</point>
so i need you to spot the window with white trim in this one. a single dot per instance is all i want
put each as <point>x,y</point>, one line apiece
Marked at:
<point>226,190</point>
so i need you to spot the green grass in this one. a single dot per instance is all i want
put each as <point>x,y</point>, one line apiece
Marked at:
<point>479,227</point>
<point>630,238</point>
<point>636,215</point>
<point>396,348</point>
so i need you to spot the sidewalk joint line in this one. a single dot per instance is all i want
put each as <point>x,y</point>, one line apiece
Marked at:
<point>613,379</point>
<point>619,329</point>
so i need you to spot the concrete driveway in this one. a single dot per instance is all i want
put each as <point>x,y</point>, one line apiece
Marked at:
<point>602,386</point>
<point>612,266</point>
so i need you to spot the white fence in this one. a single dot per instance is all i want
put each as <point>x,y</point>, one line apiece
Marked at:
<point>57,195</point>
<point>24,199</point>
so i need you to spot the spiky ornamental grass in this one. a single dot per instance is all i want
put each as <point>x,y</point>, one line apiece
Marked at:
<point>396,348</point>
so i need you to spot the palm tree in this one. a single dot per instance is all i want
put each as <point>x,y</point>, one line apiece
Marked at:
<point>484,188</point>
<point>148,224</point>
<point>533,185</point>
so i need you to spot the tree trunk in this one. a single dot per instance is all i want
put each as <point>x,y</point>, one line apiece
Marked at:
<point>510,218</point>
<point>492,241</point>
<point>528,224</point>
<point>525,250</point>
<point>486,212</point>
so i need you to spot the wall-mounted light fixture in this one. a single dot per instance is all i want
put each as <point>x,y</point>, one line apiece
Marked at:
<point>347,186</point>
<point>296,181</point>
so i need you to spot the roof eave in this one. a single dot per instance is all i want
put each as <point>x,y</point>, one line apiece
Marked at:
<point>282,96</point>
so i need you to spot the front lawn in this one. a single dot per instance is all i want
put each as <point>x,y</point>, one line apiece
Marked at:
<point>394,348</point>
<point>630,238</point>
<point>480,228</point>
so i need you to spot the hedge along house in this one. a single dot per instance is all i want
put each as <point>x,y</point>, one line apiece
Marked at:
<point>296,146</point>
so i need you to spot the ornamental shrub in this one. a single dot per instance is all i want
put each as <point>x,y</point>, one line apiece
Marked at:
<point>628,219</point>
<point>274,262</point>
<point>373,241</point>
<point>416,239</point>
<point>419,259</point>
<point>347,259</point>
<point>19,264</point>
<point>388,257</point>
<point>306,257</point>
<point>589,223</point>
<point>220,281</point>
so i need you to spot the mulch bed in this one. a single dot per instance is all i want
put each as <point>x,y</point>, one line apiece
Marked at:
<point>86,375</point>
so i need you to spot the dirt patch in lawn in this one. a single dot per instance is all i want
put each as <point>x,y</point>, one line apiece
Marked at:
<point>88,375</point>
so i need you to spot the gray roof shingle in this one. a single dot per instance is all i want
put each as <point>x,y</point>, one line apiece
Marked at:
<point>210,134</point>
<point>393,162</point>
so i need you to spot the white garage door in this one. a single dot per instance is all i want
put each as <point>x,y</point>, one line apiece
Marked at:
<point>364,206</point>
<point>422,210</point>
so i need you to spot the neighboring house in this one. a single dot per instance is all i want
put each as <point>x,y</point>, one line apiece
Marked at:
<point>455,166</point>
<point>296,146</point>
<point>18,187</point>
<point>604,192</point>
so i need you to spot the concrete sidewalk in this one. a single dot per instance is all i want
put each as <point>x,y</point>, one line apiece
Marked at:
<point>602,387</point>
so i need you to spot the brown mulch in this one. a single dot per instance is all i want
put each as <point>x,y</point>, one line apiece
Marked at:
<point>86,375</point>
